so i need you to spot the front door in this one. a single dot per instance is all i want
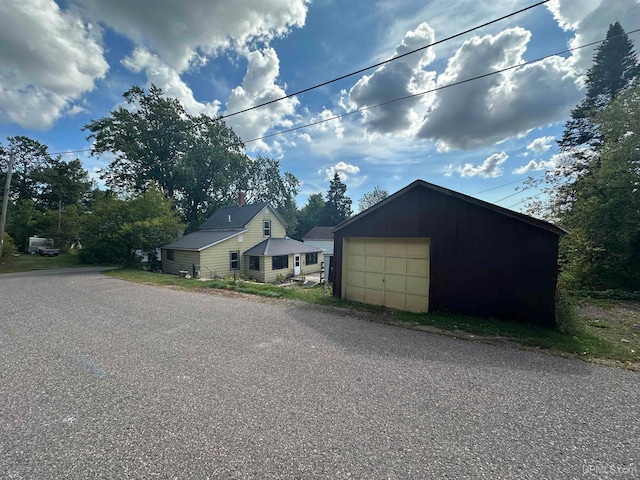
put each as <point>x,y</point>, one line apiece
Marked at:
<point>296,264</point>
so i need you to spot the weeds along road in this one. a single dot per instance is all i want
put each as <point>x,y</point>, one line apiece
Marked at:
<point>104,378</point>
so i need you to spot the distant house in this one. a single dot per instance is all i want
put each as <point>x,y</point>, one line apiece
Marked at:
<point>321,237</point>
<point>427,248</point>
<point>248,240</point>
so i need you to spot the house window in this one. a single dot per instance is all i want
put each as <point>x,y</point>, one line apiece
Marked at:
<point>234,260</point>
<point>279,262</point>
<point>311,258</point>
<point>266,228</point>
<point>170,254</point>
<point>254,263</point>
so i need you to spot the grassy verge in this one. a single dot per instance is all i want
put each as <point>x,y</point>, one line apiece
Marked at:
<point>26,262</point>
<point>583,335</point>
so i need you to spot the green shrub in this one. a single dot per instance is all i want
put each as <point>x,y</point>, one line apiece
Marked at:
<point>566,313</point>
<point>8,247</point>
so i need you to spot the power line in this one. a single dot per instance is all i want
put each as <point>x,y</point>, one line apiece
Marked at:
<point>514,194</point>
<point>521,201</point>
<point>510,183</point>
<point>362,70</point>
<point>406,97</point>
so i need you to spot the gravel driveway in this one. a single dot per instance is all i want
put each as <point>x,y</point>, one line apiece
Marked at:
<point>101,378</point>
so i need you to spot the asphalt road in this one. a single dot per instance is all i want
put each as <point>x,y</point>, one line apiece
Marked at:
<point>101,378</point>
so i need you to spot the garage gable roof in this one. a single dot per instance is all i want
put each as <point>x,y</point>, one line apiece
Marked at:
<point>281,246</point>
<point>461,196</point>
<point>237,216</point>
<point>198,241</point>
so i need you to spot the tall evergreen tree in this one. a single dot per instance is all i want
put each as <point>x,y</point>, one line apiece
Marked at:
<point>338,205</point>
<point>614,66</point>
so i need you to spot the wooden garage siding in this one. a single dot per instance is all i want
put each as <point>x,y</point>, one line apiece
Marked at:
<point>482,262</point>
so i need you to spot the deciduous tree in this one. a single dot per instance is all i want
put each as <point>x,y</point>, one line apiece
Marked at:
<point>117,228</point>
<point>603,249</point>
<point>197,160</point>
<point>369,199</point>
<point>310,215</point>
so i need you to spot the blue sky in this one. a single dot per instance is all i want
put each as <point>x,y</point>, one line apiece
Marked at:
<point>63,63</point>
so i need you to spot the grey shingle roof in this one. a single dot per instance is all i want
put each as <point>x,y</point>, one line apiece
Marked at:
<point>235,217</point>
<point>280,246</point>
<point>200,240</point>
<point>319,233</point>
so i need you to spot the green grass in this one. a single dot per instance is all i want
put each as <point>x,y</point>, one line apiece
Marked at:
<point>579,340</point>
<point>312,295</point>
<point>26,262</point>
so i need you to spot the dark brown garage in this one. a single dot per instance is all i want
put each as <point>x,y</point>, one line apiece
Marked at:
<point>428,248</point>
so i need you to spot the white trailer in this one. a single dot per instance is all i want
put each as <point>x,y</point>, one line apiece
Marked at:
<point>36,242</point>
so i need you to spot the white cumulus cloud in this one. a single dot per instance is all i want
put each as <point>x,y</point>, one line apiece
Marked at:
<point>49,58</point>
<point>533,166</point>
<point>344,170</point>
<point>162,75</point>
<point>259,85</point>
<point>541,145</point>
<point>186,33</point>
<point>489,110</point>
<point>490,168</point>
<point>589,20</point>
<point>397,79</point>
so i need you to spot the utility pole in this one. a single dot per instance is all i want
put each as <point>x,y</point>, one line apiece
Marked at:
<point>5,201</point>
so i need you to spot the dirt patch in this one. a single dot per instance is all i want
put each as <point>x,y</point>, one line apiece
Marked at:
<point>620,312</point>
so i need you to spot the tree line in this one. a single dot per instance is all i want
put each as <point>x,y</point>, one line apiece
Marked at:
<point>169,172</point>
<point>594,191</point>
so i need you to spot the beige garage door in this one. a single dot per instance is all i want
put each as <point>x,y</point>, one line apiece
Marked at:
<point>393,272</point>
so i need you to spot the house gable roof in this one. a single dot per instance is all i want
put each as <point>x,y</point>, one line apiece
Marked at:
<point>280,246</point>
<point>319,233</point>
<point>237,216</point>
<point>198,241</point>
<point>461,196</point>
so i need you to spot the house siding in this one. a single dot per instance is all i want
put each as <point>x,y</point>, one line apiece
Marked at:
<point>270,275</point>
<point>182,260</point>
<point>254,236</point>
<point>314,267</point>
<point>258,275</point>
<point>215,261</point>
<point>482,262</point>
<point>326,245</point>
